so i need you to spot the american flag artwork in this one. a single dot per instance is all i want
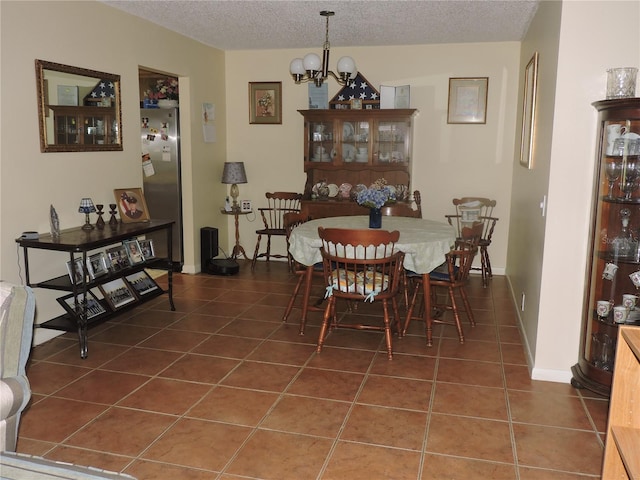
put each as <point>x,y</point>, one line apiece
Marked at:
<point>358,89</point>
<point>103,89</point>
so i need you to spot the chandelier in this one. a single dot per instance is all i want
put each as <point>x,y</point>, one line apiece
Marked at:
<point>310,68</point>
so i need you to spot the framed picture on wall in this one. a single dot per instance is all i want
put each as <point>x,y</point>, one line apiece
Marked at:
<point>529,111</point>
<point>265,102</point>
<point>468,100</point>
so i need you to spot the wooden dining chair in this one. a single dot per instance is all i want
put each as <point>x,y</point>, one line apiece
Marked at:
<point>360,265</point>
<point>291,221</point>
<point>452,275</point>
<point>279,203</point>
<point>476,209</point>
<point>404,209</point>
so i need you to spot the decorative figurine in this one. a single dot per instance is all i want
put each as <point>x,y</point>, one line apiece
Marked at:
<point>54,222</point>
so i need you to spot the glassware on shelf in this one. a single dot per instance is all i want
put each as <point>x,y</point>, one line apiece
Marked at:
<point>613,171</point>
<point>602,351</point>
<point>630,174</point>
<point>624,245</point>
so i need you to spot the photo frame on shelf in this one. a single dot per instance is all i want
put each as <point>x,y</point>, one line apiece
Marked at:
<point>142,283</point>
<point>468,100</point>
<point>76,271</point>
<point>529,97</point>
<point>146,246</point>
<point>132,205</point>
<point>265,103</point>
<point>94,307</point>
<point>118,258</point>
<point>134,252</point>
<point>97,265</point>
<point>118,293</point>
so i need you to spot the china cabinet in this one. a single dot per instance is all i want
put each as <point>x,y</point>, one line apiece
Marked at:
<point>346,148</point>
<point>613,271</point>
<point>84,125</point>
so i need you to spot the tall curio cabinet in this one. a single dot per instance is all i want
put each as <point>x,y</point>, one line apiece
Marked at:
<point>613,271</point>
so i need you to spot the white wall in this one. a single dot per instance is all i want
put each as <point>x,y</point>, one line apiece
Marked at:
<point>590,39</point>
<point>448,160</point>
<point>94,36</point>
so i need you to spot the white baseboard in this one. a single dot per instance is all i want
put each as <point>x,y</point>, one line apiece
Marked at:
<point>558,376</point>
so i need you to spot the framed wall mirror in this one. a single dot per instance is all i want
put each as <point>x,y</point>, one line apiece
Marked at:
<point>78,109</point>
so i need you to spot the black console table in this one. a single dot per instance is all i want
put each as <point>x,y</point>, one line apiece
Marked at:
<point>78,242</point>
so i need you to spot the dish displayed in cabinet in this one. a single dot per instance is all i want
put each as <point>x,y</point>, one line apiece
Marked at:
<point>349,153</point>
<point>347,131</point>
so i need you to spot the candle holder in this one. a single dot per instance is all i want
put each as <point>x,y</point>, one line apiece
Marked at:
<point>113,221</point>
<point>100,221</point>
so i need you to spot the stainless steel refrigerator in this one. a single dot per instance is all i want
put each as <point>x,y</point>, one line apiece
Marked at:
<point>160,141</point>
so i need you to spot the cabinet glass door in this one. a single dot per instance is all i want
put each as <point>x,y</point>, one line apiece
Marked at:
<point>392,143</point>
<point>321,142</point>
<point>95,130</point>
<point>355,141</point>
<point>66,129</point>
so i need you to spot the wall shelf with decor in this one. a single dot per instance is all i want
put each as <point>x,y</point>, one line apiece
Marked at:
<point>129,278</point>
<point>345,148</point>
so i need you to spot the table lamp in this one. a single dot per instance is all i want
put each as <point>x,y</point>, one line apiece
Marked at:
<point>86,207</point>
<point>234,174</point>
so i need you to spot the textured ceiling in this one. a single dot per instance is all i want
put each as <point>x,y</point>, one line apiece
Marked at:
<point>269,24</point>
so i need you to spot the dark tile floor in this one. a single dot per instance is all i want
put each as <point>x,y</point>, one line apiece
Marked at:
<point>222,389</point>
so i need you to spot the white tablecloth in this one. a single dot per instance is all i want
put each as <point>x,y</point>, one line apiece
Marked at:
<point>424,242</point>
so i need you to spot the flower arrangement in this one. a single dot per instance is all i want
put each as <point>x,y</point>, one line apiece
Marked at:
<point>377,195</point>
<point>165,88</point>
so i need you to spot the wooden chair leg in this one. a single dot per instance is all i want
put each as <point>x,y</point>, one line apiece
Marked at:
<point>467,306</point>
<point>387,329</point>
<point>326,318</point>
<point>456,315</point>
<point>268,248</point>
<point>255,253</point>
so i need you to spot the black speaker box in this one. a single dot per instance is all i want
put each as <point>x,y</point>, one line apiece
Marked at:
<point>208,246</point>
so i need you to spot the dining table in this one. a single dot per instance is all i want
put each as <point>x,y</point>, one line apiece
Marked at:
<point>424,244</point>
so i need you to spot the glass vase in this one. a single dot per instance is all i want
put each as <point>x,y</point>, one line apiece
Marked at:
<point>375,218</point>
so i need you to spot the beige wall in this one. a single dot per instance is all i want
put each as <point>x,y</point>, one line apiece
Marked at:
<point>554,263</point>
<point>449,160</point>
<point>94,36</point>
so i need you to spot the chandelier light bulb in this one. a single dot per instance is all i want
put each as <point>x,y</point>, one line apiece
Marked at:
<point>296,67</point>
<point>347,65</point>
<point>312,62</point>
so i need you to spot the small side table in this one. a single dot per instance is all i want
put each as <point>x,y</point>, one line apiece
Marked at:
<point>237,248</point>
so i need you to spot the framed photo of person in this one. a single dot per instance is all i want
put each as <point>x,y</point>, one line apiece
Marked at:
<point>142,283</point>
<point>134,252</point>
<point>76,271</point>
<point>94,307</point>
<point>117,293</point>
<point>147,249</point>
<point>131,205</point>
<point>97,265</point>
<point>118,258</point>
